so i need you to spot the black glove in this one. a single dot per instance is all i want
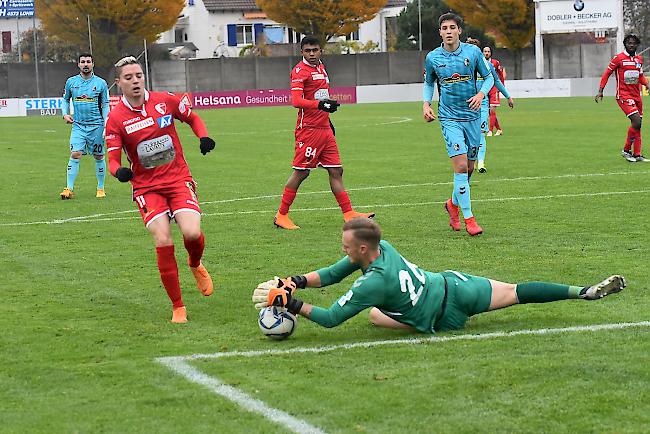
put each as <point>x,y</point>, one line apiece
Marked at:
<point>124,174</point>
<point>283,298</point>
<point>328,105</point>
<point>332,127</point>
<point>299,281</point>
<point>207,144</point>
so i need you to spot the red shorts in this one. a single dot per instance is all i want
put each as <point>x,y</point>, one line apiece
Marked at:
<point>315,147</point>
<point>495,98</point>
<point>168,201</point>
<point>630,106</point>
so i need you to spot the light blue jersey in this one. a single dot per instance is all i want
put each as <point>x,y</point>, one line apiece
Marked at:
<point>90,100</point>
<point>456,74</point>
<point>485,104</point>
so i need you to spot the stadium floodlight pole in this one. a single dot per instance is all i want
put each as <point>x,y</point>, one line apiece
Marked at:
<point>20,54</point>
<point>38,87</point>
<point>90,36</point>
<point>420,24</point>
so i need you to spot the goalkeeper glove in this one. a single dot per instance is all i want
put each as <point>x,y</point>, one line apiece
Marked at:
<point>299,281</point>
<point>328,105</point>
<point>261,293</point>
<point>282,297</point>
<point>207,144</point>
<point>124,174</point>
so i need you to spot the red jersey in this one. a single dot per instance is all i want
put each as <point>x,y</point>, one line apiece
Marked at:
<point>498,69</point>
<point>629,75</point>
<point>149,138</point>
<point>313,83</point>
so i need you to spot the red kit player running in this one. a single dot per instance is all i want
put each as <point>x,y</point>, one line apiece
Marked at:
<point>143,125</point>
<point>628,68</point>
<point>315,142</point>
<point>495,97</point>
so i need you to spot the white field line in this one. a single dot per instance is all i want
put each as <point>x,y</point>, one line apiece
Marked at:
<point>180,365</point>
<point>92,217</point>
<point>380,205</point>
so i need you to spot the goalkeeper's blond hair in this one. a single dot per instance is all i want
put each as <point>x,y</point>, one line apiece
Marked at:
<point>365,230</point>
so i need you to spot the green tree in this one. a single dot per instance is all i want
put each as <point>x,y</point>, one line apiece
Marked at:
<point>322,18</point>
<point>116,25</point>
<point>407,26</point>
<point>637,19</point>
<point>511,21</point>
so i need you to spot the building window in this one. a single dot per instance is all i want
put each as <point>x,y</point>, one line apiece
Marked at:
<point>354,36</point>
<point>245,34</point>
<point>178,35</point>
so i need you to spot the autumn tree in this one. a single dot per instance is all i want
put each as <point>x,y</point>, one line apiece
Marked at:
<point>637,19</point>
<point>408,31</point>
<point>116,25</point>
<point>511,21</point>
<point>322,18</point>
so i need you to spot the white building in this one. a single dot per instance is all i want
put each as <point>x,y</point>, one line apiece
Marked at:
<point>224,27</point>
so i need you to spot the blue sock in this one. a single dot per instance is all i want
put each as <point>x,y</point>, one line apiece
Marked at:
<point>100,171</point>
<point>73,171</point>
<point>482,148</point>
<point>461,190</point>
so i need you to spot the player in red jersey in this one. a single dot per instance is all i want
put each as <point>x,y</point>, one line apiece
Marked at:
<point>495,97</point>
<point>315,142</point>
<point>629,77</point>
<point>143,125</point>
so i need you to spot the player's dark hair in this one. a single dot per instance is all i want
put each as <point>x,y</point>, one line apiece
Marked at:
<point>473,41</point>
<point>85,55</point>
<point>450,16</point>
<point>364,230</point>
<point>632,36</point>
<point>309,40</point>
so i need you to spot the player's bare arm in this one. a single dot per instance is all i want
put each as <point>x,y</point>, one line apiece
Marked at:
<point>475,101</point>
<point>428,112</point>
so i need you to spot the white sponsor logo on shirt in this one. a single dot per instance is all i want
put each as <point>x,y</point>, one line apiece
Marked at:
<point>317,76</point>
<point>130,121</point>
<point>139,125</point>
<point>161,108</point>
<point>322,94</point>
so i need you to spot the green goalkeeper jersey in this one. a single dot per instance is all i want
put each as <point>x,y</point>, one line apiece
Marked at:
<point>392,284</point>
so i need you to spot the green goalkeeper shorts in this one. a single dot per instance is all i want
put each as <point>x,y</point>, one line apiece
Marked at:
<point>467,295</point>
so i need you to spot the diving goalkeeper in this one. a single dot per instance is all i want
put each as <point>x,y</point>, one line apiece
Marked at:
<point>401,295</point>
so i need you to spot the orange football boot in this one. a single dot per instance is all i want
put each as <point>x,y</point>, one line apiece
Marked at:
<point>67,194</point>
<point>179,315</point>
<point>347,216</point>
<point>203,280</point>
<point>472,227</point>
<point>283,221</point>
<point>452,210</point>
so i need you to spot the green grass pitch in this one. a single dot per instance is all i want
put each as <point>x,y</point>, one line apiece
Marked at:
<point>84,315</point>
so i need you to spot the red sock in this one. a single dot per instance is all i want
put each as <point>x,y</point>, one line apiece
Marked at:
<point>169,274</point>
<point>195,250</point>
<point>287,199</point>
<point>344,201</point>
<point>496,121</point>
<point>493,118</point>
<point>637,142</point>
<point>630,139</point>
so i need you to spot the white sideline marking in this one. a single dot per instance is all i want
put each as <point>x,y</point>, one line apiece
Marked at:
<point>91,218</point>
<point>180,365</point>
<point>380,205</point>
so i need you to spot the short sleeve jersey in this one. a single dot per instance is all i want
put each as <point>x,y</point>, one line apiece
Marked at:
<point>149,138</point>
<point>313,82</point>
<point>456,73</point>
<point>88,97</point>
<point>398,288</point>
<point>628,69</point>
<point>497,67</point>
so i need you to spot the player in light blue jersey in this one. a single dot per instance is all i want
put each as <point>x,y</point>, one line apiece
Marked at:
<point>485,108</point>
<point>455,66</point>
<point>89,95</point>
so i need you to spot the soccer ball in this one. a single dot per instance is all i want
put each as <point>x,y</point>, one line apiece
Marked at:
<point>276,322</point>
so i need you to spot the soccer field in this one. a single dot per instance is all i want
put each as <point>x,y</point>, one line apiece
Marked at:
<point>87,345</point>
